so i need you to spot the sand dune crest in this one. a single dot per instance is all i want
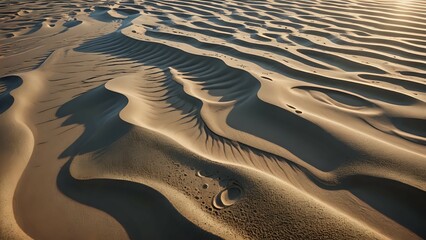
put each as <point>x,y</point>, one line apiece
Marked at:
<point>212,119</point>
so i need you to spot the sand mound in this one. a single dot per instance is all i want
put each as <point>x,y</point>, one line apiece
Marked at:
<point>212,119</point>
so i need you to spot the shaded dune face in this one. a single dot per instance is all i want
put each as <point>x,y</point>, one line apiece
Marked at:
<point>219,119</point>
<point>7,84</point>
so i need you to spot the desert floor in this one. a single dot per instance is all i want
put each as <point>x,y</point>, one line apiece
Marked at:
<point>191,119</point>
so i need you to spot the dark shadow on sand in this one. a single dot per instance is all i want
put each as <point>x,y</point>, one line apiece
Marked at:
<point>142,211</point>
<point>7,84</point>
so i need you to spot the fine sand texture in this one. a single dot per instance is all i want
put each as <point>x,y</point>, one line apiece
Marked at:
<point>219,119</point>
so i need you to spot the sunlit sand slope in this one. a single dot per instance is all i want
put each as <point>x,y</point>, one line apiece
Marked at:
<point>213,119</point>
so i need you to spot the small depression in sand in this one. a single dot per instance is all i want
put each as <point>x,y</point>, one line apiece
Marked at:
<point>227,197</point>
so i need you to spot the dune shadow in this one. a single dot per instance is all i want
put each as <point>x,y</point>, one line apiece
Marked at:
<point>142,211</point>
<point>8,84</point>
<point>306,140</point>
<point>96,109</point>
<point>398,201</point>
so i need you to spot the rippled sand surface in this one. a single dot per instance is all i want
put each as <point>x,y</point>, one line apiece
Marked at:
<point>254,119</point>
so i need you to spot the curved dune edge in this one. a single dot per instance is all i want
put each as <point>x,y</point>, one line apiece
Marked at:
<point>16,128</point>
<point>124,85</point>
<point>362,139</point>
<point>330,222</point>
<point>212,120</point>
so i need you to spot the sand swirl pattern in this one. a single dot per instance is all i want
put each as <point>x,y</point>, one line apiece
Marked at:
<point>161,119</point>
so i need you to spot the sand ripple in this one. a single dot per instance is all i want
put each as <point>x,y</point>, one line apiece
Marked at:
<point>219,119</point>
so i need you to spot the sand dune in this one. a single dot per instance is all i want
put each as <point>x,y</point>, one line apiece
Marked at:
<point>213,119</point>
